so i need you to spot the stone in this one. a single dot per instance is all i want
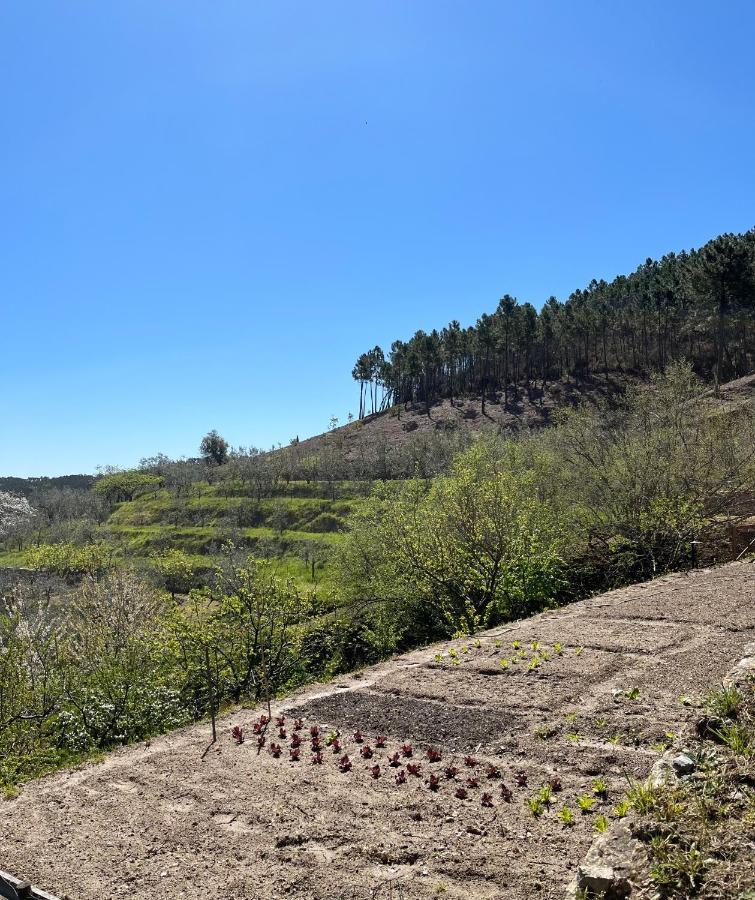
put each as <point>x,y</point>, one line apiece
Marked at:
<point>609,865</point>
<point>683,764</point>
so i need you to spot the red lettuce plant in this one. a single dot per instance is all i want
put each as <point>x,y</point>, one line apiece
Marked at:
<point>275,750</point>
<point>433,782</point>
<point>298,724</point>
<point>358,736</point>
<point>336,745</point>
<point>316,743</point>
<point>238,734</point>
<point>314,730</point>
<point>295,740</point>
<point>521,778</point>
<point>401,777</point>
<point>380,740</point>
<point>414,769</point>
<point>295,754</point>
<point>317,758</point>
<point>407,749</point>
<point>493,771</point>
<point>344,763</point>
<point>261,741</point>
<point>375,771</point>
<point>486,799</point>
<point>282,733</point>
<point>366,752</point>
<point>506,794</point>
<point>280,721</point>
<point>555,784</point>
<point>434,755</point>
<point>451,772</point>
<point>473,782</point>
<point>394,760</point>
<point>460,794</point>
<point>470,761</point>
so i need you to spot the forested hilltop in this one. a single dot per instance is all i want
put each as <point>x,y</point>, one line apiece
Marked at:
<point>695,305</point>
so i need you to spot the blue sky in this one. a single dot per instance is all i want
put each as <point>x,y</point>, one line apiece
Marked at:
<point>209,209</point>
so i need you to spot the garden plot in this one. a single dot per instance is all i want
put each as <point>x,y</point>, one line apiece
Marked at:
<point>433,776</point>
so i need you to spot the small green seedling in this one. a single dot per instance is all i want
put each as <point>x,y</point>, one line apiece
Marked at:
<point>535,645</point>
<point>477,644</point>
<point>579,651</point>
<point>545,795</point>
<point>557,648</point>
<point>566,816</point>
<point>535,806</point>
<point>498,644</point>
<point>621,809</point>
<point>504,663</point>
<point>599,787</point>
<point>438,657</point>
<point>601,824</point>
<point>585,803</point>
<point>516,644</point>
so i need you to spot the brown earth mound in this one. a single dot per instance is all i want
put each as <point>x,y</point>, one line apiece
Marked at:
<point>609,682</point>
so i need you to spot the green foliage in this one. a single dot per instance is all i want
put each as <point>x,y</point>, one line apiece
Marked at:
<point>72,562</point>
<point>123,486</point>
<point>175,569</point>
<point>476,547</point>
<point>214,448</point>
<point>724,701</point>
<point>695,306</point>
<point>638,484</point>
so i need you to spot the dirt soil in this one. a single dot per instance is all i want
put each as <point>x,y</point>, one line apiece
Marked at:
<point>170,821</point>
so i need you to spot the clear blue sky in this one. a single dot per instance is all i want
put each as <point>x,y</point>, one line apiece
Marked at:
<point>208,209</point>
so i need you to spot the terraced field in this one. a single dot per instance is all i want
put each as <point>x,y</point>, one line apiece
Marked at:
<point>560,709</point>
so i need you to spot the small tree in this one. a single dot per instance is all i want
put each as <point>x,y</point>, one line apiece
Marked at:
<point>120,487</point>
<point>176,570</point>
<point>15,513</point>
<point>240,638</point>
<point>214,448</point>
<point>475,547</point>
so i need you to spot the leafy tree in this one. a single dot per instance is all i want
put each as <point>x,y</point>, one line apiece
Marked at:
<point>176,570</point>
<point>476,547</point>
<point>214,448</point>
<point>249,625</point>
<point>119,487</point>
<point>641,483</point>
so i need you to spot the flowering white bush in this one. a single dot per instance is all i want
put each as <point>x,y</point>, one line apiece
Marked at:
<point>14,511</point>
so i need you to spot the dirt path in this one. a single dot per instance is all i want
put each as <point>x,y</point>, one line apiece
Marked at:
<point>168,823</point>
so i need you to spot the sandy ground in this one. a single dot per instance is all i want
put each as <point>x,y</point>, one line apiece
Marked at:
<point>168,822</point>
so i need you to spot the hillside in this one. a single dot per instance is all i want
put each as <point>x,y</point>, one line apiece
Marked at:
<point>603,703</point>
<point>527,406</point>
